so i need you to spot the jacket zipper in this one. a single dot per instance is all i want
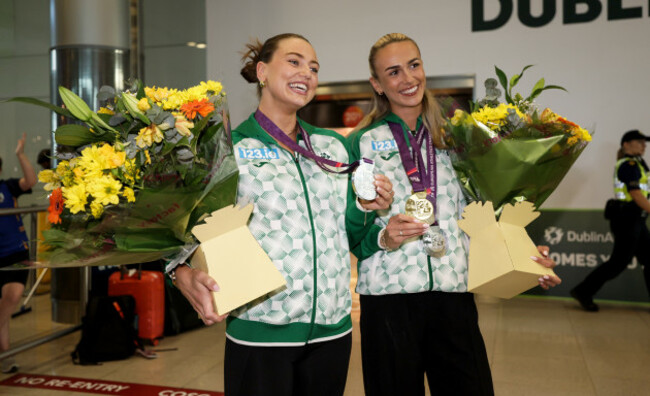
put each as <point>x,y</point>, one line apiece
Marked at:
<point>313,235</point>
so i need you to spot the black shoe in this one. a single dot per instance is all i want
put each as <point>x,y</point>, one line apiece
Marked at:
<point>587,303</point>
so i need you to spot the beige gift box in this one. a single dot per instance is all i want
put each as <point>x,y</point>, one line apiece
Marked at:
<point>230,254</point>
<point>499,252</point>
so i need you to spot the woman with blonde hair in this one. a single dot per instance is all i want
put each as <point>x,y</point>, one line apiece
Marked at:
<point>417,318</point>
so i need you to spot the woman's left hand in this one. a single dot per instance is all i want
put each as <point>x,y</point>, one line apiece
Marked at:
<point>384,195</point>
<point>546,281</point>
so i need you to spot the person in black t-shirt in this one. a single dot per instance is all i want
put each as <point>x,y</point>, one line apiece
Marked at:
<point>13,248</point>
<point>631,236</point>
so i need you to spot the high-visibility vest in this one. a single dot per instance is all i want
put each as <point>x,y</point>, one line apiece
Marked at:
<point>620,189</point>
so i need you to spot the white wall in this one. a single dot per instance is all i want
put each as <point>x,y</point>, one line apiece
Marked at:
<point>602,63</point>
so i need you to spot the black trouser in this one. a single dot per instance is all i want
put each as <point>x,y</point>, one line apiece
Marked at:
<point>631,239</point>
<point>314,369</point>
<point>405,336</point>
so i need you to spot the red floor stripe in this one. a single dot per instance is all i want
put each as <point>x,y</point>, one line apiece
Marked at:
<point>100,387</point>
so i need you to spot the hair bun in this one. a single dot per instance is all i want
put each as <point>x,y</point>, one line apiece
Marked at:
<point>250,58</point>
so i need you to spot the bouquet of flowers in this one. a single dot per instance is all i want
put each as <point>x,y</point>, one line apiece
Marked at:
<point>508,153</point>
<point>512,152</point>
<point>138,174</point>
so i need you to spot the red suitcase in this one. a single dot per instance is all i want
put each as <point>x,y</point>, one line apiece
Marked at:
<point>148,289</point>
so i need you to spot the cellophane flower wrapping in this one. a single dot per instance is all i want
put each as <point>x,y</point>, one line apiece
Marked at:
<point>512,152</point>
<point>134,180</point>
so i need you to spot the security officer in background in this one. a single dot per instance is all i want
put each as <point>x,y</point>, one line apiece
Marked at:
<point>627,222</point>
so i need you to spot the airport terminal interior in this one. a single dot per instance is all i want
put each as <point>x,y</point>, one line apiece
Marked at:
<point>536,345</point>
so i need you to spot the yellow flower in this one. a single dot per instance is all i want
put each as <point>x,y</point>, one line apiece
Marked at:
<point>548,116</point>
<point>148,135</point>
<point>113,159</point>
<point>174,101</point>
<point>76,198</point>
<point>96,209</point>
<point>143,104</point>
<point>459,116</point>
<point>105,110</point>
<point>64,172</point>
<point>62,167</point>
<point>105,190</point>
<point>93,159</point>
<point>78,173</point>
<point>128,194</point>
<point>158,94</point>
<point>50,178</point>
<point>182,125</point>
<point>131,171</point>
<point>148,158</point>
<point>495,117</point>
<point>213,87</point>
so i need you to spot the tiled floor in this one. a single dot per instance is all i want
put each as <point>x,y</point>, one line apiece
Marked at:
<point>535,346</point>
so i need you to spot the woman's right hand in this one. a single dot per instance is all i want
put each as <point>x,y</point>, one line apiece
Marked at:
<point>402,227</point>
<point>197,287</point>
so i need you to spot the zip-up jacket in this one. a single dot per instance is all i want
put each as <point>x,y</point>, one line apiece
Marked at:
<point>299,220</point>
<point>409,269</point>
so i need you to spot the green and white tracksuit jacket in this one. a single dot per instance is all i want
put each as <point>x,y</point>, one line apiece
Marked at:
<point>409,269</point>
<point>299,220</point>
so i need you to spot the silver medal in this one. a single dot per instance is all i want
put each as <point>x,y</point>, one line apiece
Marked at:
<point>434,241</point>
<point>363,179</point>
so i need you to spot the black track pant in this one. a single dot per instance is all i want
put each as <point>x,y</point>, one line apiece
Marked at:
<point>405,336</point>
<point>314,369</point>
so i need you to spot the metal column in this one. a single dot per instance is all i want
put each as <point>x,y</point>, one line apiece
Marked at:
<point>90,48</point>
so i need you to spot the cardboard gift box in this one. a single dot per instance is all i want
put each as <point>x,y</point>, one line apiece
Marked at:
<point>500,263</point>
<point>230,254</point>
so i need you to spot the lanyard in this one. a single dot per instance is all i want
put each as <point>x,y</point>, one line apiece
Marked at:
<point>273,130</point>
<point>412,160</point>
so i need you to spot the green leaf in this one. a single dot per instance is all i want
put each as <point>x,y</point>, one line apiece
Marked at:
<point>504,83</point>
<point>141,94</point>
<point>515,79</point>
<point>537,89</point>
<point>37,102</point>
<point>206,136</point>
<point>539,84</point>
<point>183,142</point>
<point>167,148</point>
<point>100,122</point>
<point>131,103</point>
<point>75,104</point>
<point>536,92</point>
<point>77,135</point>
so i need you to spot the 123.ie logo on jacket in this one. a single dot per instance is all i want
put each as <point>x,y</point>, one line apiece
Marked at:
<point>259,155</point>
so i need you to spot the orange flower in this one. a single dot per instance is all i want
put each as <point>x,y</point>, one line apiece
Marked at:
<point>203,107</point>
<point>567,122</point>
<point>56,206</point>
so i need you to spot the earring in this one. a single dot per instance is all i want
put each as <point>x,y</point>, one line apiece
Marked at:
<point>380,93</point>
<point>262,84</point>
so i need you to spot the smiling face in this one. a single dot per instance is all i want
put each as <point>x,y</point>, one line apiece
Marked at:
<point>291,76</point>
<point>400,76</point>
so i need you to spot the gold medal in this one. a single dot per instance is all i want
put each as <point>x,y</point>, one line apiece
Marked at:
<point>418,206</point>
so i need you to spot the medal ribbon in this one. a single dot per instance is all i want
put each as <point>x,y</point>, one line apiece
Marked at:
<point>413,163</point>
<point>277,133</point>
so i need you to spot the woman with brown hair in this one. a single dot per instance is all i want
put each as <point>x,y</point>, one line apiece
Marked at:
<point>295,341</point>
<point>417,317</point>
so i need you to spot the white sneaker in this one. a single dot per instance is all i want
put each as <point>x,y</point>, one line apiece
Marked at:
<point>9,366</point>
